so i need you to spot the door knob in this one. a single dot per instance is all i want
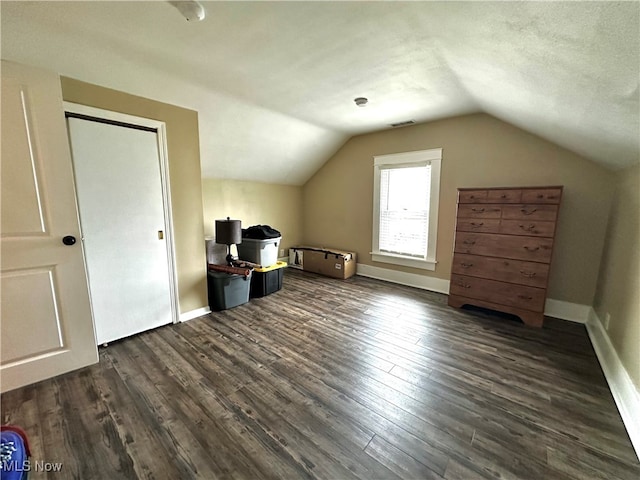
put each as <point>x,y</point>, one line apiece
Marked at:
<point>69,240</point>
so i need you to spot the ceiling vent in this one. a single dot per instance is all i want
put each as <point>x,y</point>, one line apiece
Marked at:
<point>403,124</point>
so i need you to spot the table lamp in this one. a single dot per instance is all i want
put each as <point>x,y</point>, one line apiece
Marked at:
<point>229,232</point>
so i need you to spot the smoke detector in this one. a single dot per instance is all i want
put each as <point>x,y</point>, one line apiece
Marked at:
<point>361,101</point>
<point>190,9</point>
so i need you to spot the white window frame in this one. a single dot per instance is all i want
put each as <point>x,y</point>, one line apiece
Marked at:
<point>417,158</point>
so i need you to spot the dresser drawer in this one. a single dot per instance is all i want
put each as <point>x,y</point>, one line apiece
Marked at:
<point>490,196</point>
<point>534,228</point>
<point>504,196</point>
<point>505,270</point>
<point>472,196</point>
<point>534,249</point>
<point>479,211</point>
<point>491,225</point>
<point>531,228</point>
<point>542,195</point>
<point>528,298</point>
<point>546,213</point>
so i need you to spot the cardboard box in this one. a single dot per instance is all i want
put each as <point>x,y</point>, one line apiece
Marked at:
<point>325,261</point>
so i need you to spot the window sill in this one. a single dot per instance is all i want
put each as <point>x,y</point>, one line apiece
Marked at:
<point>403,261</point>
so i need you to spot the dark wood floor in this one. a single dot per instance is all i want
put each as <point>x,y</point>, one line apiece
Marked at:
<point>334,379</point>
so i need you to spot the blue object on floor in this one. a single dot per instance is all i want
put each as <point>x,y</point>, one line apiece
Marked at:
<point>14,454</point>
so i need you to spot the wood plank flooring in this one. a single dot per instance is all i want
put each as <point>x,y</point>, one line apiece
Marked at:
<point>330,379</point>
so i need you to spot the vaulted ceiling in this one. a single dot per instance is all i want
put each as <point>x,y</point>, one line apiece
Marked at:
<point>274,82</point>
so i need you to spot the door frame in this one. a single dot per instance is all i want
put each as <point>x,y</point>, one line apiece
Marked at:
<point>126,120</point>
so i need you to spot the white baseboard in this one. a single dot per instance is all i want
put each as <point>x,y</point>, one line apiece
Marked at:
<point>403,278</point>
<point>573,312</point>
<point>198,312</point>
<point>624,392</point>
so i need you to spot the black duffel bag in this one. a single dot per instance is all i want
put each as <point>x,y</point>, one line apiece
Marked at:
<point>260,232</point>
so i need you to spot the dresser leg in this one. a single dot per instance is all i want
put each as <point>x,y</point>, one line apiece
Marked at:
<point>457,302</point>
<point>532,319</point>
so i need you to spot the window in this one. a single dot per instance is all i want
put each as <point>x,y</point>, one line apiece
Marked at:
<point>405,208</point>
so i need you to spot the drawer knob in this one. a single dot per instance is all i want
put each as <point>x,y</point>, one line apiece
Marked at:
<point>469,242</point>
<point>477,210</point>
<point>525,297</point>
<point>503,196</point>
<point>528,228</point>
<point>466,265</point>
<point>464,285</point>
<point>540,195</point>
<point>477,225</point>
<point>528,212</point>
<point>528,274</point>
<point>531,249</point>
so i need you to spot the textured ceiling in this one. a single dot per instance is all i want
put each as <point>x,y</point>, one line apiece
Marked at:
<point>274,82</point>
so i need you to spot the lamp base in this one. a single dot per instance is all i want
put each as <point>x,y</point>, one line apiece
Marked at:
<point>230,258</point>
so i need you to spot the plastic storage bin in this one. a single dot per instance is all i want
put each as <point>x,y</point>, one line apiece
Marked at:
<point>267,280</point>
<point>227,290</point>
<point>262,252</point>
<point>216,253</point>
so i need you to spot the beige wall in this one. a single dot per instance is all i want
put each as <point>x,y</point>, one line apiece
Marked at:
<point>184,174</point>
<point>618,290</point>
<point>478,150</point>
<point>279,206</point>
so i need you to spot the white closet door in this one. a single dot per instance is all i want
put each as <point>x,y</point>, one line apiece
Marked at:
<point>119,190</point>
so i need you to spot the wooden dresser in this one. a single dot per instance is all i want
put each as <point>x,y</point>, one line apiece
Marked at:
<point>503,245</point>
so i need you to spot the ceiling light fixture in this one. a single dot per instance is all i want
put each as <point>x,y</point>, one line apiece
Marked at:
<point>190,9</point>
<point>361,101</point>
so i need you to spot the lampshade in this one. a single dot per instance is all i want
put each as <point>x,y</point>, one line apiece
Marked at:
<point>228,232</point>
